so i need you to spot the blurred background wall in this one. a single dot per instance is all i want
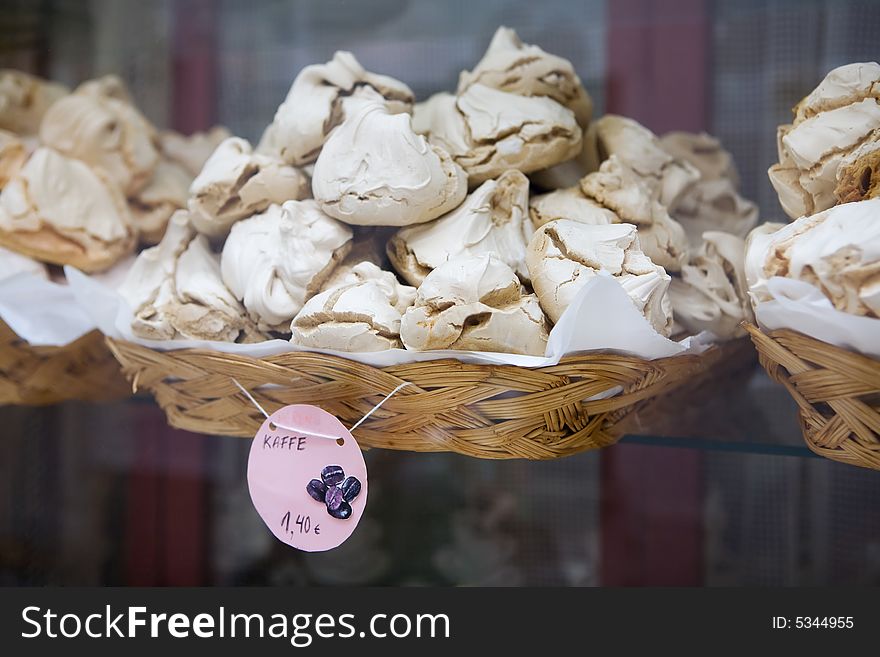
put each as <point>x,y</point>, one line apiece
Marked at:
<point>109,494</point>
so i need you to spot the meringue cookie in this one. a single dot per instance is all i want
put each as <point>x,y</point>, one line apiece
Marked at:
<point>175,292</point>
<point>836,118</point>
<point>756,247</point>
<point>313,106</point>
<point>12,264</point>
<point>59,210</point>
<point>633,198</point>
<point>192,151</point>
<point>374,170</point>
<point>792,196</point>
<point>563,255</point>
<point>475,303</point>
<point>711,294</point>
<point>105,133</point>
<point>569,203</point>
<point>714,205</point>
<point>842,86</point>
<point>704,152</point>
<point>493,219</point>
<point>13,155</point>
<point>368,244</point>
<point>713,202</point>
<point>106,86</point>
<point>667,177</point>
<point>489,131</point>
<point>274,261</point>
<point>837,251</point>
<point>512,66</point>
<point>24,100</point>
<point>858,176</point>
<point>152,207</point>
<point>236,183</point>
<point>362,313</point>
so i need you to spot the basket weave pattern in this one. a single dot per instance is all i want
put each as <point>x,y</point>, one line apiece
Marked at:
<point>486,411</point>
<point>35,376</point>
<point>838,393</point>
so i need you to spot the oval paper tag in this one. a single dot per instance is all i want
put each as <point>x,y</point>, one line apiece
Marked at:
<point>310,491</point>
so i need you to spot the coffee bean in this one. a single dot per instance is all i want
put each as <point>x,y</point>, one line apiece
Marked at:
<point>351,488</point>
<point>333,498</point>
<point>332,475</point>
<point>317,490</point>
<point>343,512</point>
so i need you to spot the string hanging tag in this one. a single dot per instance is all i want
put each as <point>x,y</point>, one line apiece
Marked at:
<point>307,476</point>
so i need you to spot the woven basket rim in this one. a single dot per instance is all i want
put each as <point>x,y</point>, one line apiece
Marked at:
<point>484,410</point>
<point>593,354</point>
<point>837,391</point>
<point>83,370</point>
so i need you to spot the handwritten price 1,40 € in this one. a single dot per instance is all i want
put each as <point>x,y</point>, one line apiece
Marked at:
<point>302,525</point>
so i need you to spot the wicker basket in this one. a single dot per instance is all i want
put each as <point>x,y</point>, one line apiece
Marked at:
<point>838,393</point>
<point>685,410</point>
<point>486,411</point>
<point>34,376</point>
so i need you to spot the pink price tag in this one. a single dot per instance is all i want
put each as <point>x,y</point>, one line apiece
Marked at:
<point>309,490</point>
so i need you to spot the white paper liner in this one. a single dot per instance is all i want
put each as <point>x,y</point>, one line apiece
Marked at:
<point>46,313</point>
<point>799,306</point>
<point>601,317</point>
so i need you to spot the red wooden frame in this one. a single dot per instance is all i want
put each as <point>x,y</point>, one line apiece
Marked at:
<point>168,532</point>
<point>651,498</point>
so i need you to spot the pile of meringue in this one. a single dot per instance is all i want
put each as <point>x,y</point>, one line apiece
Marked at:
<point>827,179</point>
<point>84,175</point>
<point>364,221</point>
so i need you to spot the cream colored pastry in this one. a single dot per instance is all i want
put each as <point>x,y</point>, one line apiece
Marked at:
<point>152,207</point>
<point>782,153</point>
<point>313,106</point>
<point>274,261</point>
<point>667,176</point>
<point>174,290</point>
<point>568,203</point>
<point>13,155</point>
<point>494,218</point>
<point>106,86</point>
<point>756,246</point>
<point>836,118</point>
<point>842,86</point>
<point>858,176</point>
<point>475,303</point>
<point>105,133</point>
<point>374,170</point>
<point>633,197</point>
<point>714,205</point>
<point>711,294</point>
<point>564,255</point>
<point>57,209</point>
<point>792,197</point>
<point>368,244</point>
<point>362,313</point>
<point>488,131</point>
<point>236,183</point>
<point>24,100</point>
<point>513,66</point>
<point>12,264</point>
<point>192,151</point>
<point>836,250</point>
<point>704,152</point>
